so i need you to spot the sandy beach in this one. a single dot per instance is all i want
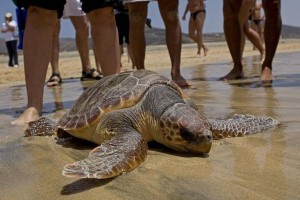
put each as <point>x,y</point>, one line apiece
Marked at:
<point>260,166</point>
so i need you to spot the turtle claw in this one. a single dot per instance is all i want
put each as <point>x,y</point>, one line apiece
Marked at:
<point>113,158</point>
<point>74,170</point>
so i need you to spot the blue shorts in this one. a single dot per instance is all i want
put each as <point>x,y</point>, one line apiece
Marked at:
<point>57,5</point>
<point>90,5</point>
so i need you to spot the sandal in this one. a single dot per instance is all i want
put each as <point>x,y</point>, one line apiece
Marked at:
<point>54,80</point>
<point>90,75</point>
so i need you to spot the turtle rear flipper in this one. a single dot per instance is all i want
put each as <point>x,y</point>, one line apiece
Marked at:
<point>240,125</point>
<point>121,154</point>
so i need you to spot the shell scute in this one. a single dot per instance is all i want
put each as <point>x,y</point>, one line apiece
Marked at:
<point>110,93</point>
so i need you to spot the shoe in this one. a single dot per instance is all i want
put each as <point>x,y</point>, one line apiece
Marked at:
<point>16,65</point>
<point>148,22</point>
<point>90,75</point>
<point>54,80</point>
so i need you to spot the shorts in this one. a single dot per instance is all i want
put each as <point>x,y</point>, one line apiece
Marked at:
<point>122,21</point>
<point>90,5</point>
<point>57,5</point>
<point>73,8</point>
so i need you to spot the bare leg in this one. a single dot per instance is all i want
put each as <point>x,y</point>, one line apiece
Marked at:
<point>260,31</point>
<point>253,27</point>
<point>129,50</point>
<point>254,38</point>
<point>199,27</point>
<point>99,70</point>
<point>137,18</point>
<point>272,34</point>
<point>40,25</point>
<point>55,78</point>
<point>81,25</point>
<point>192,30</point>
<point>105,39</point>
<point>233,34</point>
<point>169,12</point>
<point>55,49</point>
<point>192,35</point>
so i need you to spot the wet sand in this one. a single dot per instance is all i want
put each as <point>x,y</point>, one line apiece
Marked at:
<point>261,166</point>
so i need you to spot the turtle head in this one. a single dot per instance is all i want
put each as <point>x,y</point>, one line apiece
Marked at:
<point>184,129</point>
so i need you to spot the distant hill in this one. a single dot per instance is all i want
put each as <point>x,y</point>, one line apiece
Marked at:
<point>156,36</point>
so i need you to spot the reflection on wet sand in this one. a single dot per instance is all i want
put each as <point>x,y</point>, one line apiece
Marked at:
<point>261,166</point>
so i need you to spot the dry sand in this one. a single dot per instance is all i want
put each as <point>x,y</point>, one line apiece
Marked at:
<point>262,166</point>
<point>157,58</point>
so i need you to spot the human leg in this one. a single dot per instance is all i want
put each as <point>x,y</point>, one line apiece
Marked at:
<point>233,35</point>
<point>169,12</point>
<point>260,31</point>
<point>55,78</point>
<point>192,30</point>
<point>39,31</point>
<point>271,34</point>
<point>81,26</point>
<point>254,38</point>
<point>137,18</point>
<point>105,39</point>
<point>10,53</point>
<point>199,21</point>
<point>15,53</point>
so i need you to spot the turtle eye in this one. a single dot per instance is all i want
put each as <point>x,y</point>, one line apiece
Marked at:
<point>187,135</point>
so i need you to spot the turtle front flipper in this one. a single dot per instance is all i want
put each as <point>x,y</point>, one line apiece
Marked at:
<point>121,154</point>
<point>240,125</point>
<point>42,127</point>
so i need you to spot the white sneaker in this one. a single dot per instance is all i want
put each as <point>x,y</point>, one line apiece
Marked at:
<point>16,65</point>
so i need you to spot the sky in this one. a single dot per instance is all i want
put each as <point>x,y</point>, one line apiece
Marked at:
<point>214,17</point>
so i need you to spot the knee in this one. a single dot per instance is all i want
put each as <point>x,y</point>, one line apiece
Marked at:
<point>170,15</point>
<point>191,35</point>
<point>82,31</point>
<point>137,19</point>
<point>102,16</point>
<point>272,8</point>
<point>137,14</point>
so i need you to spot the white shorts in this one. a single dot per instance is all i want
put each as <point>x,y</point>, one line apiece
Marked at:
<point>73,8</point>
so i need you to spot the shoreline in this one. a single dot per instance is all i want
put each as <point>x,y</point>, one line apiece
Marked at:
<point>70,66</point>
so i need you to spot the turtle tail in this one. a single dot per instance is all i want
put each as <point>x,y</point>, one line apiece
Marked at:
<point>121,154</point>
<point>239,125</point>
<point>41,127</point>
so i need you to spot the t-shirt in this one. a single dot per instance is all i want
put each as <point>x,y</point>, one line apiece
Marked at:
<point>9,35</point>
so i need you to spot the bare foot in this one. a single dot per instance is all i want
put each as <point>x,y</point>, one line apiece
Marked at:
<point>30,114</point>
<point>233,75</point>
<point>266,74</point>
<point>181,82</point>
<point>262,57</point>
<point>205,51</point>
<point>199,52</point>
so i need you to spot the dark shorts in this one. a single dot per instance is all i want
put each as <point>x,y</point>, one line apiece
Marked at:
<point>122,21</point>
<point>194,14</point>
<point>90,5</point>
<point>57,5</point>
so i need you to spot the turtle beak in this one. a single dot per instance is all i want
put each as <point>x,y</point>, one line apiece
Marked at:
<point>202,149</point>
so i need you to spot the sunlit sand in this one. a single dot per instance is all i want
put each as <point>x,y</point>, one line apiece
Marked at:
<point>261,166</point>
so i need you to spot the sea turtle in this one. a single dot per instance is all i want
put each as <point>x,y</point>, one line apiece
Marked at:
<point>121,113</point>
